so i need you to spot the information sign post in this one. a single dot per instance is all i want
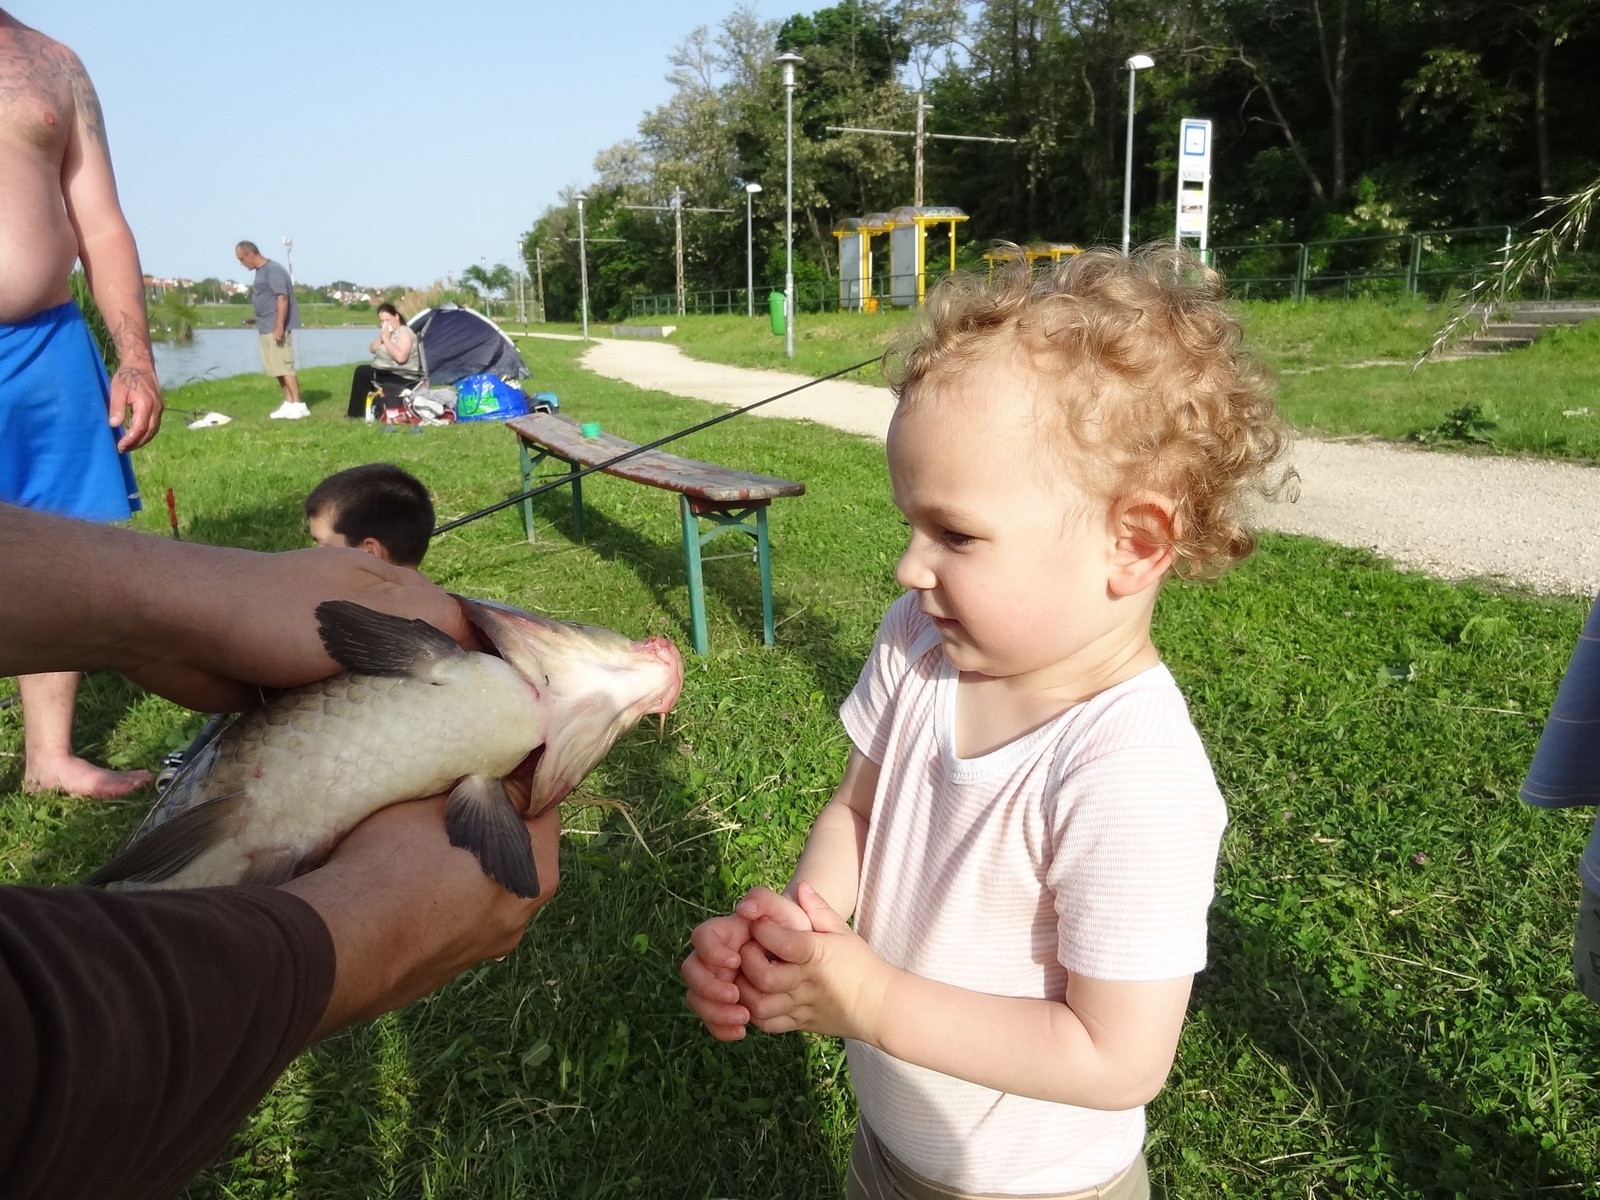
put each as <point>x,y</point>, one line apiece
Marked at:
<point>1194,180</point>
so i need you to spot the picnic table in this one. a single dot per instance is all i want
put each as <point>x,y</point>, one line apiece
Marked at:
<point>733,501</point>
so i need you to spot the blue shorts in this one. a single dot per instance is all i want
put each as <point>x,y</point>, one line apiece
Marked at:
<point>58,454</point>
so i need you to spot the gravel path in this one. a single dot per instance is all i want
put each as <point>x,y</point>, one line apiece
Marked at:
<point>1526,521</point>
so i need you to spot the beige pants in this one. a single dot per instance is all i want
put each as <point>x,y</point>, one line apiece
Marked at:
<point>277,360</point>
<point>875,1174</point>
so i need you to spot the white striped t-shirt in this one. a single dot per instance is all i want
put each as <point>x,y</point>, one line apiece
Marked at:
<point>1088,845</point>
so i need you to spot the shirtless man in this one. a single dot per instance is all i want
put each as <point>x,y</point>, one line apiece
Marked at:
<point>59,450</point>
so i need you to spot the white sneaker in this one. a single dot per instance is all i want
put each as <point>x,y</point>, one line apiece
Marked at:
<point>290,412</point>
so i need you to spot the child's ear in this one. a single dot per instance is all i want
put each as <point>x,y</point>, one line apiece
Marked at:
<point>375,548</point>
<point>1143,528</point>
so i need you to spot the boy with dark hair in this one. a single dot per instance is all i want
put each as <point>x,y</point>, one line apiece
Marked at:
<point>376,507</point>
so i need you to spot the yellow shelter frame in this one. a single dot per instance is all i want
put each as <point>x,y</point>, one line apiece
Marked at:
<point>921,220</point>
<point>1034,253</point>
<point>855,236</point>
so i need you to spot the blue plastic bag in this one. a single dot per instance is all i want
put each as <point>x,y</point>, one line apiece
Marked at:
<point>489,398</point>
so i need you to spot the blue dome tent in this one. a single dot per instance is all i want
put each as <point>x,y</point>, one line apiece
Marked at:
<point>457,342</point>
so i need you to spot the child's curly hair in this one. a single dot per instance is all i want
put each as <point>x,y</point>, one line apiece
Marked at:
<point>1144,377</point>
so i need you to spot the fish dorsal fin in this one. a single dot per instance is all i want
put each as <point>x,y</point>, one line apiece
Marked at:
<point>169,848</point>
<point>368,642</point>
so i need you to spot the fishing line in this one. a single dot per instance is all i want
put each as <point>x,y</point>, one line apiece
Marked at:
<point>562,480</point>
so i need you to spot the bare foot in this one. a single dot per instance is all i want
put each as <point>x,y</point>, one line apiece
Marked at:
<point>77,777</point>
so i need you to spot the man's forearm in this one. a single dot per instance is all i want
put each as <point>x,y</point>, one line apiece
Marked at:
<point>283,318</point>
<point>77,596</point>
<point>68,584</point>
<point>111,263</point>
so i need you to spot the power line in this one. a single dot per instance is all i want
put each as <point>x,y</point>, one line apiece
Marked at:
<point>922,135</point>
<point>677,209</point>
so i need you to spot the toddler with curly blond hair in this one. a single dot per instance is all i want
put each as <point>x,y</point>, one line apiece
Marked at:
<point>1026,833</point>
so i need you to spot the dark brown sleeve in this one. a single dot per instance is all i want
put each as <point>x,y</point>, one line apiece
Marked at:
<point>137,1030</point>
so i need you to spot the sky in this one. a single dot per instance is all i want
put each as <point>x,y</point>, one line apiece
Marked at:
<point>392,141</point>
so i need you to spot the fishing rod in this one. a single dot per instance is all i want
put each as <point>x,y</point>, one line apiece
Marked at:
<point>572,477</point>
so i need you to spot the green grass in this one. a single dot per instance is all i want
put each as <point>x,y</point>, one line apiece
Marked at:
<point>823,342</point>
<point>1525,393</point>
<point>1312,346</point>
<point>515,327</point>
<point>1387,1012</point>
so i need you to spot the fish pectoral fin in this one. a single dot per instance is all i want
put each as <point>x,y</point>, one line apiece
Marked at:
<point>481,818</point>
<point>170,847</point>
<point>368,642</point>
<point>190,781</point>
<point>269,868</point>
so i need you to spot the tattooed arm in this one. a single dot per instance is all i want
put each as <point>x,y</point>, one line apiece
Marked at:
<point>110,260</point>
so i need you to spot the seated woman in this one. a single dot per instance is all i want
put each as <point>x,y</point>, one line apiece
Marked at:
<point>396,362</point>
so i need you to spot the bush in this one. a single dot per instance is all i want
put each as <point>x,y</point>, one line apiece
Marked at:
<point>172,318</point>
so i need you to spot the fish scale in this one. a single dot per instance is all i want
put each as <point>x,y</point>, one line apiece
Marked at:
<point>323,757</point>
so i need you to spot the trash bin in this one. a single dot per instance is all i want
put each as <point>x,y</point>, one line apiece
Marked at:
<point>776,306</point>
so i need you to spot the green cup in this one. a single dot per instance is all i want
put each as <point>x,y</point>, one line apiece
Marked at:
<point>590,429</point>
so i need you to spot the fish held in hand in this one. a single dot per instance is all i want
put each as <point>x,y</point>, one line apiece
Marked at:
<point>412,714</point>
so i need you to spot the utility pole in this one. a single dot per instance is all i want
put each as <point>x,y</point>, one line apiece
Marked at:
<point>916,187</point>
<point>288,256</point>
<point>583,266</point>
<point>538,265</point>
<point>677,210</point>
<point>677,241</point>
<point>921,136</point>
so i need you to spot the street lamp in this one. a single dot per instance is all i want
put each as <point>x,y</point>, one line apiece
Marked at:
<point>790,60</point>
<point>583,267</point>
<point>1136,63</point>
<point>750,190</point>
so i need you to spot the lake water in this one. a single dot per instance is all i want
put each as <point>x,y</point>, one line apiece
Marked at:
<point>218,353</point>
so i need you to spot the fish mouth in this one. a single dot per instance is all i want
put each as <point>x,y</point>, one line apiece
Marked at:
<point>666,653</point>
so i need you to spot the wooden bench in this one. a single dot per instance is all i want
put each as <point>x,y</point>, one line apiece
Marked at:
<point>726,498</point>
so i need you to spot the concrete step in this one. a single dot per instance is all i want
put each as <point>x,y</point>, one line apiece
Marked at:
<point>1555,316</point>
<point>1529,319</point>
<point>1555,305</point>
<point>1513,329</point>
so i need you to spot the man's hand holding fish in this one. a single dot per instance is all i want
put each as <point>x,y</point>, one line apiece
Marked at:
<point>202,625</point>
<point>177,1004</point>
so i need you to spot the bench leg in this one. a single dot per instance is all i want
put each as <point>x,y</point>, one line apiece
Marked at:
<point>577,504</point>
<point>764,556</point>
<point>527,473</point>
<point>691,563</point>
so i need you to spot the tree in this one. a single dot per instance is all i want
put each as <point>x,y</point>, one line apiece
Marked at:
<point>1330,117</point>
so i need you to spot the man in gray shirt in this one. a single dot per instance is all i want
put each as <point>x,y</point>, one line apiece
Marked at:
<point>277,317</point>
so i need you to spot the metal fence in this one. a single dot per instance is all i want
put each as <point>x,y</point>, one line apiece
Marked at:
<point>1429,263</point>
<point>1435,263</point>
<point>813,296</point>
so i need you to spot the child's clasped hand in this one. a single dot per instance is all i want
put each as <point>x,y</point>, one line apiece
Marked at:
<point>783,965</point>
